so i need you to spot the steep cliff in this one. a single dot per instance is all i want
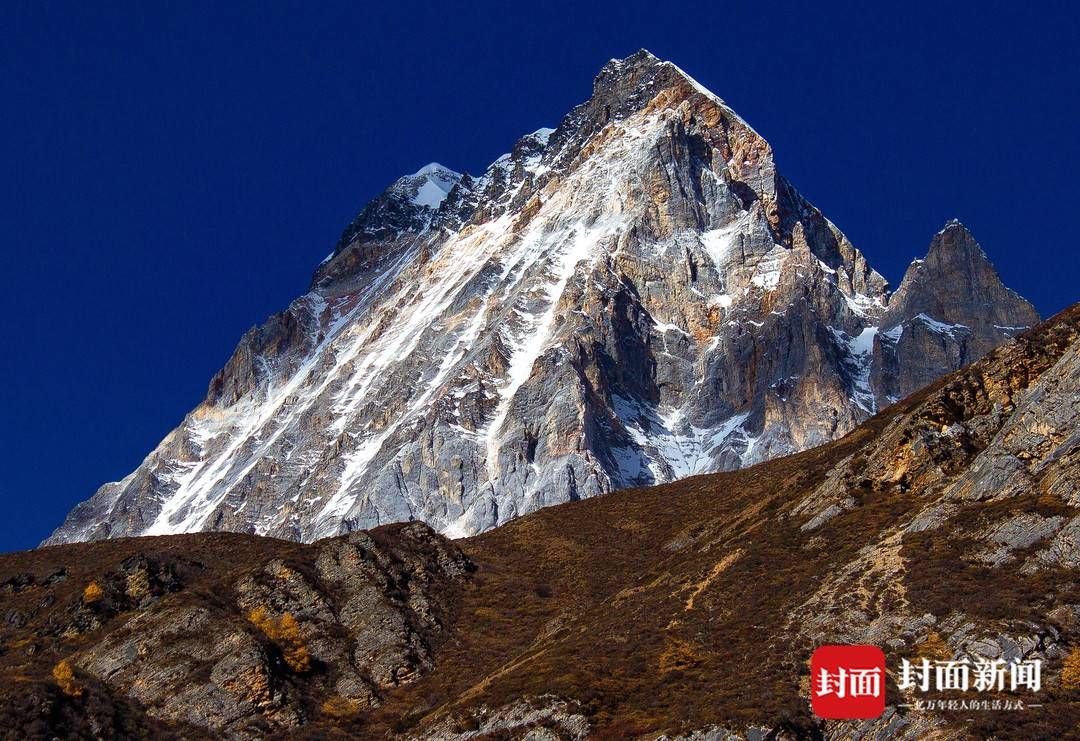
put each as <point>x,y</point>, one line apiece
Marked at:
<point>630,298</point>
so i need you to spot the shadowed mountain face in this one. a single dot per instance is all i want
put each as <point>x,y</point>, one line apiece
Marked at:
<point>945,526</point>
<point>630,298</point>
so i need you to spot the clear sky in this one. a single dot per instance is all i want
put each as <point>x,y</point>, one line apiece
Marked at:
<point>172,175</point>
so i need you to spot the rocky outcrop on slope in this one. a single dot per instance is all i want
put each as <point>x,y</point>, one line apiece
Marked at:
<point>630,298</point>
<point>258,644</point>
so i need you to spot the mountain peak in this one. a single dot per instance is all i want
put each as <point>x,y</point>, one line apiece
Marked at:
<point>625,86</point>
<point>954,232</point>
<point>640,58</point>
<point>403,207</point>
<point>644,67</point>
<point>956,281</point>
<point>428,186</point>
<point>954,242</point>
<point>435,369</point>
<point>641,70</point>
<point>434,168</point>
<point>638,71</point>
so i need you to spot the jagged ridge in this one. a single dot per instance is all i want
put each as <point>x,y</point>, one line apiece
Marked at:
<point>632,297</point>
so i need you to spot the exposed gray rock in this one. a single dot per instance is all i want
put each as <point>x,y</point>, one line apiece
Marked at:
<point>366,616</point>
<point>890,726</point>
<point>1020,531</point>
<point>1063,550</point>
<point>950,310</point>
<point>546,718</point>
<point>1037,446</point>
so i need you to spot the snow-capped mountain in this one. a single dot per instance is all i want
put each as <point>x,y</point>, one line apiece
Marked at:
<point>633,297</point>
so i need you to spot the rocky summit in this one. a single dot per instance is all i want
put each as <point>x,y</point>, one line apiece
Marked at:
<point>633,297</point>
<point>944,528</point>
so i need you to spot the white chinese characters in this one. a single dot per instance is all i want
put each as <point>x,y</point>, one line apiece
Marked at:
<point>981,675</point>
<point>849,682</point>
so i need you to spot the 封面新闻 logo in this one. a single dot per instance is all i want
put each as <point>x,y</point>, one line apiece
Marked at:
<point>847,682</point>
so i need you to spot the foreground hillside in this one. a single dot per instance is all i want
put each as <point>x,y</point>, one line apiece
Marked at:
<point>946,526</point>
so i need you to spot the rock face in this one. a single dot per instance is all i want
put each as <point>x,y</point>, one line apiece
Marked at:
<point>234,637</point>
<point>633,297</point>
<point>950,310</point>
<point>947,527</point>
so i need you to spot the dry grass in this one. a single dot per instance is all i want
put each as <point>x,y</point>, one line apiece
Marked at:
<point>337,706</point>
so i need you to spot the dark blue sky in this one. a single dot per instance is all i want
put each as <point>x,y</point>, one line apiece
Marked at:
<point>171,177</point>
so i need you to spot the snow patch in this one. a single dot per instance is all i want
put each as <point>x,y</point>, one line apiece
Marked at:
<point>862,305</point>
<point>718,243</point>
<point>894,334</point>
<point>542,135</point>
<point>767,272</point>
<point>941,327</point>
<point>825,268</point>
<point>858,358</point>
<point>456,529</point>
<point>667,443</point>
<point>437,182</point>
